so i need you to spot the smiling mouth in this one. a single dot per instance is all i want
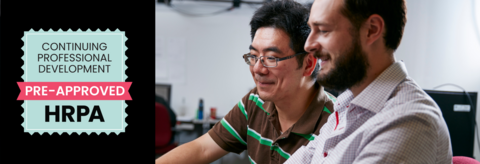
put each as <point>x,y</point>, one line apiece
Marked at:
<point>324,59</point>
<point>265,83</point>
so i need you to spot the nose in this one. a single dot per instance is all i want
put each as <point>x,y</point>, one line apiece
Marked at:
<point>258,68</point>
<point>312,44</point>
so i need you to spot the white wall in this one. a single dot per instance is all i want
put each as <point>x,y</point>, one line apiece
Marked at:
<point>215,70</point>
<point>439,46</point>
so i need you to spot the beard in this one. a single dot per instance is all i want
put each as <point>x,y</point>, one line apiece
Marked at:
<point>350,68</point>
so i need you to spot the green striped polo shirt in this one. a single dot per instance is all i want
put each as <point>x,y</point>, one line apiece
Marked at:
<point>253,124</point>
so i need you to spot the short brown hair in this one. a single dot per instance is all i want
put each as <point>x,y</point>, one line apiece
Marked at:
<point>393,13</point>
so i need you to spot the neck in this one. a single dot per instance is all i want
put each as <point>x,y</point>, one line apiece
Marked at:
<point>292,108</point>
<point>378,63</point>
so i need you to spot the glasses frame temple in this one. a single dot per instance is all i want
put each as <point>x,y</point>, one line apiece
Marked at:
<point>288,57</point>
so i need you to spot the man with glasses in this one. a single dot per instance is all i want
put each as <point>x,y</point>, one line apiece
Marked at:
<point>287,107</point>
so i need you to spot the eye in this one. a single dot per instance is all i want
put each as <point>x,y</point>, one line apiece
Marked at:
<point>271,58</point>
<point>323,30</point>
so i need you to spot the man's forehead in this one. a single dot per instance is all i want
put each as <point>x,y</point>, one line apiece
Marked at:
<point>325,12</point>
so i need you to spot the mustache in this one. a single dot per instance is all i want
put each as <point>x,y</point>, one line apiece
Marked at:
<point>319,54</point>
<point>262,79</point>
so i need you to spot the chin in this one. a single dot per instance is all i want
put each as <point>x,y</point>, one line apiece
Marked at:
<point>265,96</point>
<point>325,70</point>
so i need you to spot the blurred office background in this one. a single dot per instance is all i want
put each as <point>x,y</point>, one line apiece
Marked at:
<point>199,45</point>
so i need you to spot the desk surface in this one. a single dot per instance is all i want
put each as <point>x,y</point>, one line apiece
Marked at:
<point>189,124</point>
<point>209,120</point>
<point>188,119</point>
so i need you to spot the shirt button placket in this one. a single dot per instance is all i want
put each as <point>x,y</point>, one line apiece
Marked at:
<point>274,154</point>
<point>273,151</point>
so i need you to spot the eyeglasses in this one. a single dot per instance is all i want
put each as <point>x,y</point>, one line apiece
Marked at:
<point>270,60</point>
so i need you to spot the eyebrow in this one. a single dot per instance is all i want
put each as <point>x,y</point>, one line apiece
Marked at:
<point>273,49</point>
<point>316,23</point>
<point>252,48</point>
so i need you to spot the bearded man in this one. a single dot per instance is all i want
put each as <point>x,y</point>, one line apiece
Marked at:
<point>383,115</point>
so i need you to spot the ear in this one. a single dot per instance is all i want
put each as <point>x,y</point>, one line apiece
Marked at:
<point>375,28</point>
<point>310,63</point>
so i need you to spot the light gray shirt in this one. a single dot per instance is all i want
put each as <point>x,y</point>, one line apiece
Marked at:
<point>391,121</point>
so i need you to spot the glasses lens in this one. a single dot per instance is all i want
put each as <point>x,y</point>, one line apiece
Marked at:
<point>250,60</point>
<point>270,61</point>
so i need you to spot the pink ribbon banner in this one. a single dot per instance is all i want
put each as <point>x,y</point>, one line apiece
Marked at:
<point>74,90</point>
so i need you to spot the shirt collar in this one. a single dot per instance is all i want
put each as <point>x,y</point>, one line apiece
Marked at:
<point>307,123</point>
<point>376,94</point>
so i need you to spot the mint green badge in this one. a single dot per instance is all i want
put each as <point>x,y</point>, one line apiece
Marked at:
<point>79,72</point>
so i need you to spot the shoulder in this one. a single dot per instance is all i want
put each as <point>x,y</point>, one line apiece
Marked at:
<point>409,103</point>
<point>409,98</point>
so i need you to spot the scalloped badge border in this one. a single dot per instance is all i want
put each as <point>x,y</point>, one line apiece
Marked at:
<point>98,132</point>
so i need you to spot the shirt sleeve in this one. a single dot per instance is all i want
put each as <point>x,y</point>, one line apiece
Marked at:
<point>413,138</point>
<point>230,133</point>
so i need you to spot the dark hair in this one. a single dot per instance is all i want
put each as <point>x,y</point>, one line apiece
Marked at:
<point>289,16</point>
<point>393,13</point>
